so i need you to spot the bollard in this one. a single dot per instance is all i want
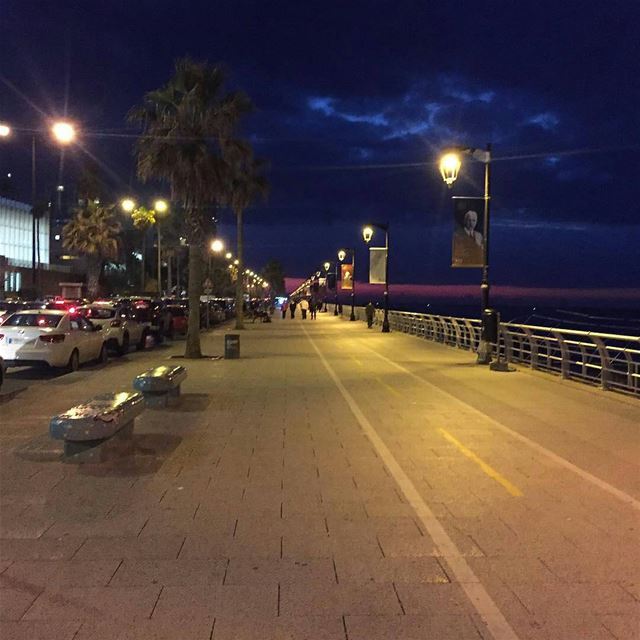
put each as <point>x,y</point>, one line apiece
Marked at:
<point>232,346</point>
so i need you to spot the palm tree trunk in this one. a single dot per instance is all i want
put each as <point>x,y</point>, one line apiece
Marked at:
<point>240,278</point>
<point>142,262</point>
<point>192,347</point>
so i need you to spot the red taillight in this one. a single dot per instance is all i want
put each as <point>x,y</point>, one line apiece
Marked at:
<point>115,323</point>
<point>72,309</point>
<point>54,338</point>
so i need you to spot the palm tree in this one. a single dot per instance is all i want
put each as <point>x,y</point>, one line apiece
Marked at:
<point>186,124</point>
<point>94,233</point>
<point>246,184</point>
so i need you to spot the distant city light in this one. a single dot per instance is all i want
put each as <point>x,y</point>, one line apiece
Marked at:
<point>60,187</point>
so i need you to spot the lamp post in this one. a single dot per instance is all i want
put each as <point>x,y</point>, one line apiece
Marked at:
<point>150,217</point>
<point>64,133</point>
<point>342,254</point>
<point>450,165</point>
<point>367,234</point>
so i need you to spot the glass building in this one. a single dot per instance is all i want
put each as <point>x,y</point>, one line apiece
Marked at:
<point>15,233</point>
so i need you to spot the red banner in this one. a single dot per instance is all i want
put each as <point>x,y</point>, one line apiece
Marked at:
<point>347,277</point>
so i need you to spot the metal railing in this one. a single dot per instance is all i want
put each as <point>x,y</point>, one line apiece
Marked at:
<point>610,361</point>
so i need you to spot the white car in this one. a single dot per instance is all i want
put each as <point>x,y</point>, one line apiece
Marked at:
<point>120,328</point>
<point>56,338</point>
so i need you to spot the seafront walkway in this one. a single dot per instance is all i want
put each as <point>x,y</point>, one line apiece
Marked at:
<point>333,483</point>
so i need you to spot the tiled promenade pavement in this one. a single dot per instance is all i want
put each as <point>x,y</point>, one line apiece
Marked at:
<point>333,483</point>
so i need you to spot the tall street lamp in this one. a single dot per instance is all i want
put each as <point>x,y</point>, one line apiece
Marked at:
<point>63,133</point>
<point>342,254</point>
<point>161,208</point>
<point>367,234</point>
<point>450,164</point>
<point>327,266</point>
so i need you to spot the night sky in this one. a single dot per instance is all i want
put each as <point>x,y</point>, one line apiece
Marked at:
<point>354,102</point>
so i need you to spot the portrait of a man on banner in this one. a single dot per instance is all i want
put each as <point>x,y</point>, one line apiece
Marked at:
<point>347,277</point>
<point>468,236</point>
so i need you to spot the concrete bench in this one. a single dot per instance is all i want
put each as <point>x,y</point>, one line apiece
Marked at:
<point>160,384</point>
<point>84,427</point>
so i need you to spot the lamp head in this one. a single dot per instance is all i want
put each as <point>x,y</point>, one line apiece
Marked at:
<point>63,132</point>
<point>128,205</point>
<point>228,255</point>
<point>326,266</point>
<point>342,254</point>
<point>161,206</point>
<point>217,246</point>
<point>5,130</point>
<point>367,233</point>
<point>449,166</point>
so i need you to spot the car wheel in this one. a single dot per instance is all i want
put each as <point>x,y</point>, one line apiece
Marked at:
<point>103,356</point>
<point>74,361</point>
<point>123,349</point>
<point>143,341</point>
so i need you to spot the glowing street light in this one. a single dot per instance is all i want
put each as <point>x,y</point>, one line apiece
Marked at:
<point>160,206</point>
<point>217,245</point>
<point>63,132</point>
<point>326,266</point>
<point>367,234</point>
<point>450,164</point>
<point>5,130</point>
<point>342,254</point>
<point>128,205</point>
<point>228,255</point>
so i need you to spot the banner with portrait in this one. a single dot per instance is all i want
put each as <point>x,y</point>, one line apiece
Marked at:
<point>468,232</point>
<point>346,283</point>
<point>377,265</point>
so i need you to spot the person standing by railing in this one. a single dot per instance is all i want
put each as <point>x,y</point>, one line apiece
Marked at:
<point>369,311</point>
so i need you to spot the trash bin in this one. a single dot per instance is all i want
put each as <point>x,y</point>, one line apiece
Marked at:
<point>490,322</point>
<point>231,346</point>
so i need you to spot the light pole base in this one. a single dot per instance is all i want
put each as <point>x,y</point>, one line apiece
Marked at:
<point>484,352</point>
<point>501,365</point>
<point>385,327</point>
<point>352,317</point>
<point>335,311</point>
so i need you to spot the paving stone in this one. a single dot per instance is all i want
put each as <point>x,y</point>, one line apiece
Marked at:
<point>39,630</point>
<point>341,599</point>
<point>198,629</point>
<point>428,598</point>
<point>386,570</point>
<point>183,572</point>
<point>94,603</point>
<point>290,628</point>
<point>37,574</point>
<point>166,547</point>
<point>411,627</point>
<point>15,601</point>
<point>40,548</point>
<point>304,573</point>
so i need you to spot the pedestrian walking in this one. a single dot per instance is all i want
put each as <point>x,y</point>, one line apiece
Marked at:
<point>304,307</point>
<point>292,309</point>
<point>369,311</point>
<point>283,307</point>
<point>314,309</point>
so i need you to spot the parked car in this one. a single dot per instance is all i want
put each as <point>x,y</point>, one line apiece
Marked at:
<point>156,314</point>
<point>180,318</point>
<point>52,337</point>
<point>120,328</point>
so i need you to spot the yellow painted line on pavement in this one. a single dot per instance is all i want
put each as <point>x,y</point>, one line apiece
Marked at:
<point>490,471</point>
<point>559,460</point>
<point>388,387</point>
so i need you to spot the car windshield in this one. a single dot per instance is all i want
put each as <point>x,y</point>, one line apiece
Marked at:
<point>98,313</point>
<point>32,320</point>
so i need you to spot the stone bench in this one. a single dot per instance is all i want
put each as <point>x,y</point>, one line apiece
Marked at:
<point>160,384</point>
<point>84,427</point>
